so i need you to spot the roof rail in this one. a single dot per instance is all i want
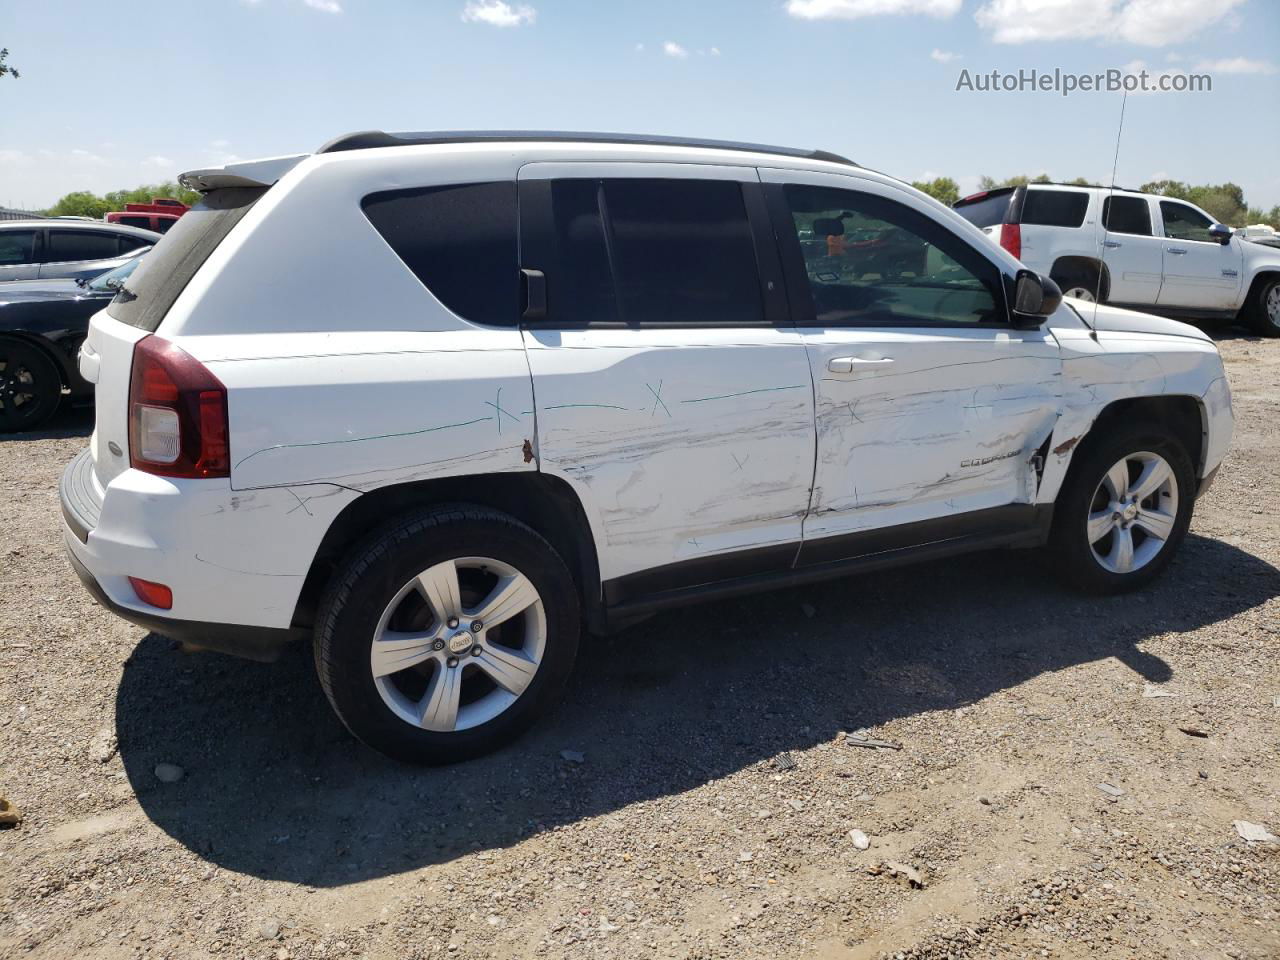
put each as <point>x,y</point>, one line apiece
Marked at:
<point>366,139</point>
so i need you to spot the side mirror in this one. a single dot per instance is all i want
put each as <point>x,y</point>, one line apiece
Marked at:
<point>1221,232</point>
<point>1034,298</point>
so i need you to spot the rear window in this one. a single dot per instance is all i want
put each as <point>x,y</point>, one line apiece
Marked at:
<point>460,241</point>
<point>1127,215</point>
<point>164,272</point>
<point>988,210</point>
<point>1054,208</point>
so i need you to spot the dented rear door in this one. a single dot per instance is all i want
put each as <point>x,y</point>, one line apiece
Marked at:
<point>930,407</point>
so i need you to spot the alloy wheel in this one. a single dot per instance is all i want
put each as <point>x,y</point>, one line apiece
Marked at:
<point>1080,293</point>
<point>1272,305</point>
<point>458,644</point>
<point>19,391</point>
<point>1133,512</point>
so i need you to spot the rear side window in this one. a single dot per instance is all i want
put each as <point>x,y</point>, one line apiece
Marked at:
<point>164,272</point>
<point>67,245</point>
<point>460,241</point>
<point>648,251</point>
<point>17,246</point>
<point>129,244</point>
<point>1130,215</point>
<point>1054,208</point>
<point>986,209</point>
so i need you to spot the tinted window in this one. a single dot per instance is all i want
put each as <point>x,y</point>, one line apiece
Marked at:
<point>988,210</point>
<point>150,291</point>
<point>1054,208</point>
<point>682,252</point>
<point>128,244</point>
<point>580,279</point>
<point>1127,215</point>
<point>143,222</point>
<point>1184,223</point>
<point>875,261</point>
<point>17,246</point>
<point>64,245</point>
<point>460,241</point>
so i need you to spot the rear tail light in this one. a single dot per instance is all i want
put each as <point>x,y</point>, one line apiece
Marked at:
<point>1011,239</point>
<point>177,414</point>
<point>153,594</point>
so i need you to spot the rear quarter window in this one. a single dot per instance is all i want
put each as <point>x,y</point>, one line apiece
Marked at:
<point>1055,208</point>
<point>459,241</point>
<point>988,211</point>
<point>164,272</point>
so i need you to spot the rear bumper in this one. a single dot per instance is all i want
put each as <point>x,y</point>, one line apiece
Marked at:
<point>235,561</point>
<point>253,643</point>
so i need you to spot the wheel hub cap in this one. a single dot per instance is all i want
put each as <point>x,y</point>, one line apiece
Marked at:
<point>461,642</point>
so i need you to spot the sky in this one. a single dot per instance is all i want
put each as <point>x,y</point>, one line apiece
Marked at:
<point>113,95</point>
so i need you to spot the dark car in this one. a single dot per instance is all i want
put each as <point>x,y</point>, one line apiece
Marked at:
<point>42,324</point>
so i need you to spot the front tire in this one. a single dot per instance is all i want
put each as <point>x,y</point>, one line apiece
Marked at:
<point>1266,309</point>
<point>1124,509</point>
<point>446,634</point>
<point>30,388</point>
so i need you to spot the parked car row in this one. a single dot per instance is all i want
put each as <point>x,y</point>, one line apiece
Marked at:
<point>1135,250</point>
<point>434,403</point>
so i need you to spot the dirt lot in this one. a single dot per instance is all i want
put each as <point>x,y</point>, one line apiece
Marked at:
<point>682,832</point>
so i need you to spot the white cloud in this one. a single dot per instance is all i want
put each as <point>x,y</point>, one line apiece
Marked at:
<point>673,49</point>
<point>1237,65</point>
<point>324,6</point>
<point>86,156</point>
<point>853,9</point>
<point>1149,23</point>
<point>220,144</point>
<point>157,161</point>
<point>715,51</point>
<point>943,56</point>
<point>639,48</point>
<point>496,13</point>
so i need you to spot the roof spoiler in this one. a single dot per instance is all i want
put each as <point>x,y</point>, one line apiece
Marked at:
<point>248,173</point>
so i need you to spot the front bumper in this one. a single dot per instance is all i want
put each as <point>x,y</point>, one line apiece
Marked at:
<point>235,561</point>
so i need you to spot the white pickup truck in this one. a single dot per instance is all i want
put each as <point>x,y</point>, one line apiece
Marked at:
<point>1134,249</point>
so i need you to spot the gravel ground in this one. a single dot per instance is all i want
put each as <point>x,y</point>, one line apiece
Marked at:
<point>658,814</point>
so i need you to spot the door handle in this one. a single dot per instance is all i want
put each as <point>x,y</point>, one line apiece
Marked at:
<point>1111,243</point>
<point>1177,251</point>
<point>848,364</point>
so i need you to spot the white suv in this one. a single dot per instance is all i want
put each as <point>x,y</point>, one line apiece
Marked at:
<point>1135,250</point>
<point>435,401</point>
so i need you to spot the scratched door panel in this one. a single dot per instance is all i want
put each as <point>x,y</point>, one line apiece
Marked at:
<point>949,426</point>
<point>683,443</point>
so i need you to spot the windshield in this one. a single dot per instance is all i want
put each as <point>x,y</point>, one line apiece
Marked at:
<point>112,279</point>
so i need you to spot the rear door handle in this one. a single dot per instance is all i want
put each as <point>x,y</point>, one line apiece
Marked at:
<point>1177,251</point>
<point>1111,243</point>
<point>848,364</point>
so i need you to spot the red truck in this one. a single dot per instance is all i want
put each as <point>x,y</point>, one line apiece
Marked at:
<point>158,215</point>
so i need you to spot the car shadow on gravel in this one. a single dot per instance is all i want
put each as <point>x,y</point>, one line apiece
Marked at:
<point>276,788</point>
<point>68,421</point>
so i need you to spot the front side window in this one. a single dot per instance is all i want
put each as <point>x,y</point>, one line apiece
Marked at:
<point>17,246</point>
<point>870,261</point>
<point>459,240</point>
<point>1182,222</point>
<point>1131,215</point>
<point>1054,208</point>
<point>71,245</point>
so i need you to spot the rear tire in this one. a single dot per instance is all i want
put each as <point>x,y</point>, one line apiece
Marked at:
<point>446,634</point>
<point>1080,283</point>
<point>1265,309</point>
<point>30,387</point>
<point>1124,509</point>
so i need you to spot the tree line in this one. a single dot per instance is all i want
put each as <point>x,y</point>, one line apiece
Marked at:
<point>1224,202</point>
<point>82,203</point>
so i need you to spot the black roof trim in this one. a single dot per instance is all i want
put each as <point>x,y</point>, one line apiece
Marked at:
<point>367,139</point>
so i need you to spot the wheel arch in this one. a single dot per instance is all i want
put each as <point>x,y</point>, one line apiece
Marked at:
<point>1065,264</point>
<point>1263,276</point>
<point>546,503</point>
<point>1183,414</point>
